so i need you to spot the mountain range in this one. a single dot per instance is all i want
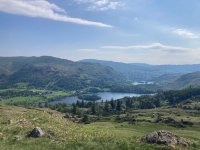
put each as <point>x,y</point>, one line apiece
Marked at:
<point>51,72</point>
<point>146,72</point>
<point>55,73</point>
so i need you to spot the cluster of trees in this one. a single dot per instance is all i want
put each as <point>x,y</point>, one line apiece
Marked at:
<point>91,109</point>
<point>128,103</point>
<point>170,98</point>
<point>107,107</point>
<point>175,97</point>
<point>88,111</point>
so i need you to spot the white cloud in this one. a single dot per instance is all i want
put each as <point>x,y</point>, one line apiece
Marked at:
<point>43,9</point>
<point>87,50</point>
<point>101,4</point>
<point>154,53</point>
<point>185,33</point>
<point>153,46</point>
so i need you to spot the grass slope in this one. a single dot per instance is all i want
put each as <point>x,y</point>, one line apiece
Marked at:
<point>61,133</point>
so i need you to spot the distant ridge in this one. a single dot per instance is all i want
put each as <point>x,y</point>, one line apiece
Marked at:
<point>146,72</point>
<point>186,80</point>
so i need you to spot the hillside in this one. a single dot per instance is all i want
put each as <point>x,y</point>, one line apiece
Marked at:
<point>190,79</point>
<point>54,73</point>
<point>146,72</point>
<point>178,81</point>
<point>60,133</point>
<point>166,78</point>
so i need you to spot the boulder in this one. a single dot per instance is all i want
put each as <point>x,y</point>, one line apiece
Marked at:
<point>165,138</point>
<point>37,132</point>
<point>11,121</point>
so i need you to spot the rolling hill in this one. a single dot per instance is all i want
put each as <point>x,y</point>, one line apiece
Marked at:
<point>55,73</point>
<point>186,80</point>
<point>146,72</point>
<point>178,81</point>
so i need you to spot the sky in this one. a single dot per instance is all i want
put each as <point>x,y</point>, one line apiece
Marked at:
<point>131,31</point>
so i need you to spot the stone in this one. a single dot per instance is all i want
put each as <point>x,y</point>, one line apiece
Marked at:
<point>165,138</point>
<point>11,121</point>
<point>37,132</point>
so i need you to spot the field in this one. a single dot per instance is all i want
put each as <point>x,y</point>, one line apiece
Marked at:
<point>61,133</point>
<point>29,97</point>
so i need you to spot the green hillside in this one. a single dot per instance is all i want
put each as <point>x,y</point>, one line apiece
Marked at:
<point>190,79</point>
<point>54,73</point>
<point>61,133</point>
<point>177,81</point>
<point>146,72</point>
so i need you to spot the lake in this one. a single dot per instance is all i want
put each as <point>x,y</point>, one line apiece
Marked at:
<point>142,83</point>
<point>104,96</point>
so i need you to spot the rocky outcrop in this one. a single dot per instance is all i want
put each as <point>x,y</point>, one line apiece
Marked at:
<point>164,137</point>
<point>37,132</point>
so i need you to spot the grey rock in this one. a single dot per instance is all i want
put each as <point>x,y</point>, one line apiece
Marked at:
<point>165,138</point>
<point>37,132</point>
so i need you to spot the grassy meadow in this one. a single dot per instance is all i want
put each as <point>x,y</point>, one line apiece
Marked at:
<point>62,133</point>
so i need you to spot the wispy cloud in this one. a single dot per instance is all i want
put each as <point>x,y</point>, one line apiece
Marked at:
<point>185,33</point>
<point>154,53</point>
<point>87,50</point>
<point>153,46</point>
<point>101,4</point>
<point>43,9</point>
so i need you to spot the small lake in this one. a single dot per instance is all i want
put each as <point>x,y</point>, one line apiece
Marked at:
<point>104,96</point>
<point>142,83</point>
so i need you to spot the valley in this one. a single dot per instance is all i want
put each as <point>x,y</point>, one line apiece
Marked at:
<point>99,75</point>
<point>103,109</point>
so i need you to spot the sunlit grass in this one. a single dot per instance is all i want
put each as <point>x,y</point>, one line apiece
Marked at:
<point>61,133</point>
<point>23,100</point>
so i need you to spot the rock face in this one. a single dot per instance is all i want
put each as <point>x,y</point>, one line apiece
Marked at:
<point>37,132</point>
<point>164,137</point>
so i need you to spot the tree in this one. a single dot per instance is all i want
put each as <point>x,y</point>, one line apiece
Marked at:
<point>93,108</point>
<point>119,107</point>
<point>46,104</point>
<point>146,104</point>
<point>98,111</point>
<point>40,104</point>
<point>78,103</point>
<point>106,106</point>
<point>82,103</point>
<point>74,109</point>
<point>86,119</point>
<point>157,102</point>
<point>129,103</point>
<point>113,104</point>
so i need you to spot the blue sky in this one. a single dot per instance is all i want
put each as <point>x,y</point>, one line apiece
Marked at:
<point>136,31</point>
